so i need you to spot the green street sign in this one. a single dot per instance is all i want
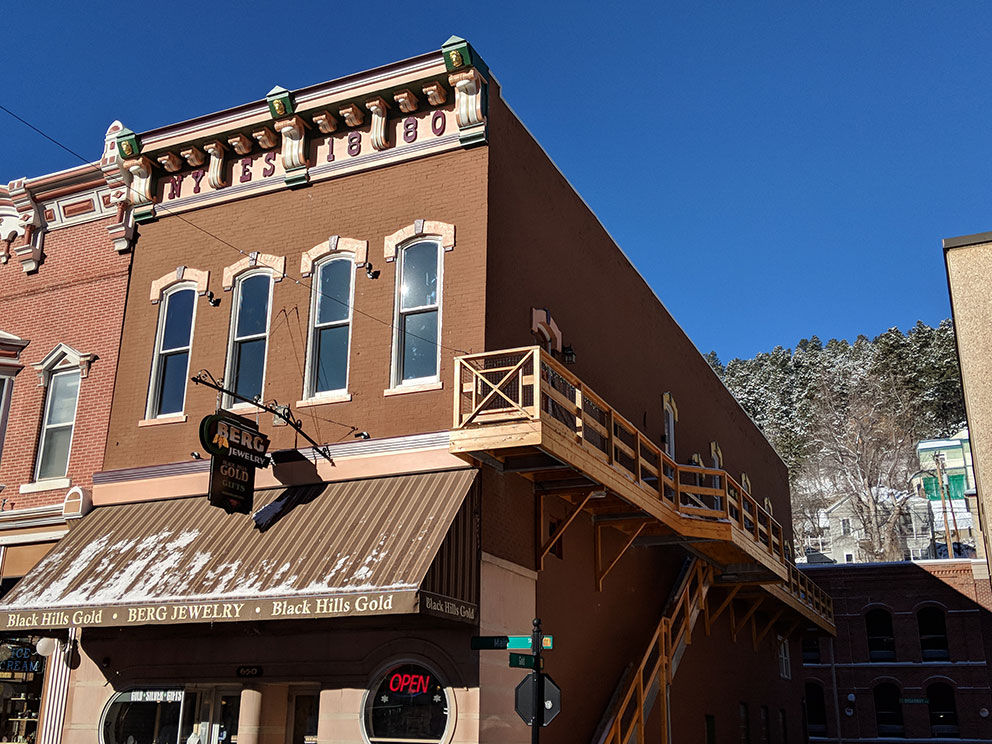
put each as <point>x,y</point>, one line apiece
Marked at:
<point>523,661</point>
<point>512,643</point>
<point>489,643</point>
<point>522,643</point>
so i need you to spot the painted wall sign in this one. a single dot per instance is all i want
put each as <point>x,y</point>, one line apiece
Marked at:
<point>345,151</point>
<point>447,607</point>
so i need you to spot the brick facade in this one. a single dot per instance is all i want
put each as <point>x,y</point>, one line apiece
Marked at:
<point>902,589</point>
<point>77,298</point>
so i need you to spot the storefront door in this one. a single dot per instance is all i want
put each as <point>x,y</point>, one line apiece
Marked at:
<point>210,716</point>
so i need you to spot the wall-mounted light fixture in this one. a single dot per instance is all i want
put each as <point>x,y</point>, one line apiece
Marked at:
<point>568,355</point>
<point>370,272</point>
<point>211,300</point>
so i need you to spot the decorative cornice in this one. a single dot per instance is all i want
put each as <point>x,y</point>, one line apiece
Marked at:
<point>427,228</point>
<point>193,155</point>
<point>352,115</point>
<point>215,176</point>
<point>240,144</point>
<point>335,244</point>
<point>294,149</point>
<point>251,261</point>
<point>407,102</point>
<point>28,248</point>
<point>469,110</point>
<point>141,180</point>
<point>436,94</point>
<point>170,161</point>
<point>379,109</point>
<point>325,121</point>
<point>181,274</point>
<point>265,137</point>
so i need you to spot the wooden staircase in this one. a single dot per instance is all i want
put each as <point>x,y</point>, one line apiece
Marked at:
<point>646,687</point>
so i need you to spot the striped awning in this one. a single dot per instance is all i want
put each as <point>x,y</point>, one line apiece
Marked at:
<point>328,550</point>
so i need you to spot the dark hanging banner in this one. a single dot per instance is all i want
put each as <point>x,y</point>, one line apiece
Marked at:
<point>236,448</point>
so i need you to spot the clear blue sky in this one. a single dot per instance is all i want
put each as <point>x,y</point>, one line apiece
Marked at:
<point>775,170</point>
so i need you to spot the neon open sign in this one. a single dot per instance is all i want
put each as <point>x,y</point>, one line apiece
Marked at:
<point>411,684</point>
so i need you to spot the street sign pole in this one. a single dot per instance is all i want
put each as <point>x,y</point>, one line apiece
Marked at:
<point>538,722</point>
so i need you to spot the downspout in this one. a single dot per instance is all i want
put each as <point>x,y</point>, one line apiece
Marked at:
<point>833,679</point>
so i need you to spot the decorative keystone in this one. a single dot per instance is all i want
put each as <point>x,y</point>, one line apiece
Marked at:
<point>457,54</point>
<point>280,103</point>
<point>127,144</point>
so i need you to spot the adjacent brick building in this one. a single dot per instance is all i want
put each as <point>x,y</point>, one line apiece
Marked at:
<point>507,424</point>
<point>63,284</point>
<point>910,659</point>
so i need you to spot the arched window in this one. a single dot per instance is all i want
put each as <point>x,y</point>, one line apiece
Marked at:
<point>816,709</point>
<point>417,353</point>
<point>330,326</point>
<point>170,365</point>
<point>249,335</point>
<point>888,710</point>
<point>408,702</point>
<point>943,712</point>
<point>933,633</point>
<point>881,640</point>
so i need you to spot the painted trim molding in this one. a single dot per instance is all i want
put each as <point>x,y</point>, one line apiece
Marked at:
<point>420,228</point>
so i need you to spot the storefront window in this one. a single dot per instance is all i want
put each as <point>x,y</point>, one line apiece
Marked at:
<point>409,703</point>
<point>22,673</point>
<point>209,716</point>
<point>143,717</point>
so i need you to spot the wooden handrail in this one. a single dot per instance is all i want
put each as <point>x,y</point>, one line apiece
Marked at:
<point>528,384</point>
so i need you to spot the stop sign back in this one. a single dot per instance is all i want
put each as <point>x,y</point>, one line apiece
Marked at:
<point>525,699</point>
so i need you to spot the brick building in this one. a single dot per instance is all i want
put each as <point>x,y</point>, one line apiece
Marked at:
<point>392,260</point>
<point>910,659</point>
<point>63,283</point>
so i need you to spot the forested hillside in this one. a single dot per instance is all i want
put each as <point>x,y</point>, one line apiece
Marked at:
<point>846,418</point>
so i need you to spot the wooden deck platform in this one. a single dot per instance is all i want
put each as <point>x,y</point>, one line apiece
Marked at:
<point>521,411</point>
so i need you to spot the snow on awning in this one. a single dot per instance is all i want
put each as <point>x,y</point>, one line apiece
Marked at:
<point>327,550</point>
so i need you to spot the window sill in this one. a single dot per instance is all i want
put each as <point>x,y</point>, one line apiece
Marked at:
<point>48,484</point>
<point>420,388</point>
<point>242,408</point>
<point>321,400</point>
<point>163,420</point>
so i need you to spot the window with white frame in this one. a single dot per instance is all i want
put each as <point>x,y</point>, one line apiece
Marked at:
<point>170,366</point>
<point>417,353</point>
<point>57,425</point>
<point>669,431</point>
<point>784,658</point>
<point>249,335</point>
<point>6,387</point>
<point>330,330</point>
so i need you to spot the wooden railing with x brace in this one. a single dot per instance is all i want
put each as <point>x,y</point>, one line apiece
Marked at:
<point>497,391</point>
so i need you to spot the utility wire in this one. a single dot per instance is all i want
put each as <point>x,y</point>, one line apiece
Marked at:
<point>222,241</point>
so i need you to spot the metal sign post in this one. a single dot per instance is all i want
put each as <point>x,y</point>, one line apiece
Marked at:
<point>537,698</point>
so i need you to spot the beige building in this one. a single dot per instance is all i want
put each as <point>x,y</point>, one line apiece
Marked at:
<point>969,266</point>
